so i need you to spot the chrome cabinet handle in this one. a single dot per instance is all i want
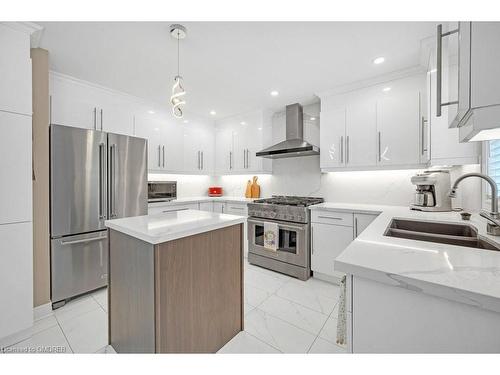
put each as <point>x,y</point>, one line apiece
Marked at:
<point>202,161</point>
<point>84,240</point>
<point>342,149</point>
<point>439,68</point>
<point>312,239</point>
<point>355,227</point>
<point>112,187</point>
<point>101,119</point>
<point>95,118</point>
<point>198,153</point>
<point>159,157</point>
<point>347,150</point>
<point>423,122</point>
<point>379,147</point>
<point>230,160</point>
<point>330,217</point>
<point>163,151</point>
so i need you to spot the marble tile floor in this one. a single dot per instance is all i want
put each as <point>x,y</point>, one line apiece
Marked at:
<point>282,315</point>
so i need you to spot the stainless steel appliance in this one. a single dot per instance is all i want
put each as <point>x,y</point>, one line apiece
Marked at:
<point>293,255</point>
<point>432,191</point>
<point>294,145</point>
<point>162,191</point>
<point>94,176</point>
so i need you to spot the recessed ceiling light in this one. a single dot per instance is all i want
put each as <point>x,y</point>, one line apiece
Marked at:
<point>243,123</point>
<point>379,60</point>
<point>185,121</point>
<point>385,89</point>
<point>213,113</point>
<point>274,93</point>
<point>151,112</point>
<point>313,118</point>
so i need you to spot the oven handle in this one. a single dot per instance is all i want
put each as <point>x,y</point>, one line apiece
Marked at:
<point>282,224</point>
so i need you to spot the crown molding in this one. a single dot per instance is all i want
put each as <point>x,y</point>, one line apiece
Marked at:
<point>32,29</point>
<point>398,74</point>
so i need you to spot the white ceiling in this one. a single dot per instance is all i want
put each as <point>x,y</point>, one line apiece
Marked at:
<point>231,67</point>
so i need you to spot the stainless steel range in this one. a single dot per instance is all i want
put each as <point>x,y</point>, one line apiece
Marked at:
<point>293,253</point>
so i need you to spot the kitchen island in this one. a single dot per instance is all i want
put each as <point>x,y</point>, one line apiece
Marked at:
<point>413,296</point>
<point>175,282</point>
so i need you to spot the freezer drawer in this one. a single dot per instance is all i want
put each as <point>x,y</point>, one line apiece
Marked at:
<point>79,264</point>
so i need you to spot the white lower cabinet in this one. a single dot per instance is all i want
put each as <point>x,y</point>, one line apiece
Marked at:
<point>207,206</point>
<point>16,270</point>
<point>391,319</point>
<point>173,208</point>
<point>219,207</point>
<point>331,233</point>
<point>236,209</point>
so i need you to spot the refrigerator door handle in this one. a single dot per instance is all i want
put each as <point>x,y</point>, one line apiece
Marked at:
<point>112,192</point>
<point>102,181</point>
<point>84,240</point>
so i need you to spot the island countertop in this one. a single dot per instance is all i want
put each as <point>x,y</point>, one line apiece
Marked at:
<point>463,274</point>
<point>168,226</point>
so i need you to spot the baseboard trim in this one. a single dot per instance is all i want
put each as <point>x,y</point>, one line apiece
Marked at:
<point>15,338</point>
<point>42,311</point>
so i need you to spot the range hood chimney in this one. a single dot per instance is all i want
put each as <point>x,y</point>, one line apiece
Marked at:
<point>294,144</point>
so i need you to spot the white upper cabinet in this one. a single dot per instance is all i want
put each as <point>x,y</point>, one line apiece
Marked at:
<point>78,104</point>
<point>238,139</point>
<point>198,148</point>
<point>360,150</point>
<point>445,148</point>
<point>165,141</point>
<point>470,78</point>
<point>332,135</point>
<point>398,124</point>
<point>376,127</point>
<point>15,71</point>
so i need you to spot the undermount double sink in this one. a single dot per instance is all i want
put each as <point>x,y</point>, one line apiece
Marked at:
<point>432,231</point>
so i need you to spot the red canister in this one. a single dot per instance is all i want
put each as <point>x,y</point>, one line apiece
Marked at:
<point>215,191</point>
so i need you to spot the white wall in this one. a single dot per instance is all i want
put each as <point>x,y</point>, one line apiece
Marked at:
<point>302,176</point>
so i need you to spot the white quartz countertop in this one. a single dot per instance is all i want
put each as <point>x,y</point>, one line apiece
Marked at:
<point>203,199</point>
<point>463,274</point>
<point>168,226</point>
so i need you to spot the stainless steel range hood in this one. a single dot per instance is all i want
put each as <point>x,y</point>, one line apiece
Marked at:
<point>294,145</point>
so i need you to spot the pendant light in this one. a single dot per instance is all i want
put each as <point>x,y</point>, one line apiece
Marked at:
<point>178,93</point>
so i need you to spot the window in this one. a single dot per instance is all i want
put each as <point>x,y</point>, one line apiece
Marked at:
<point>494,162</point>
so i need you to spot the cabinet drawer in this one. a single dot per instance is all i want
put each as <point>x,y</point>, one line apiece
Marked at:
<point>332,217</point>
<point>172,208</point>
<point>236,209</point>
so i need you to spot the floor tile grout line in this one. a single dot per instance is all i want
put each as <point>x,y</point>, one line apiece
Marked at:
<point>65,337</point>
<point>264,342</point>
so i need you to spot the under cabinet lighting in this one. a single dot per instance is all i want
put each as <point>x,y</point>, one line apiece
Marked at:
<point>379,60</point>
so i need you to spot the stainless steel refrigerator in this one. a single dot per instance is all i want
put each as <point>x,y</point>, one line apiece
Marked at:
<point>95,176</point>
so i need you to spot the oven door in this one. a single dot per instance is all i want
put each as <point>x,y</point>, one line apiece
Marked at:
<point>293,245</point>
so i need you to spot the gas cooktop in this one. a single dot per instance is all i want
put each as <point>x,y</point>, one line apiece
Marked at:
<point>290,200</point>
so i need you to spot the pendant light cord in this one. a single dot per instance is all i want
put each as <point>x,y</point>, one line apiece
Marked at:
<point>178,53</point>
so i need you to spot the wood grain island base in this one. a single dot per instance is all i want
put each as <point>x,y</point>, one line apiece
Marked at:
<point>180,296</point>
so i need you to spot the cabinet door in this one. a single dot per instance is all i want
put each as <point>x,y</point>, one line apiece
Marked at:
<point>398,124</point>
<point>219,207</point>
<point>361,222</point>
<point>15,167</point>
<point>16,268</point>
<point>240,147</point>
<point>254,137</point>
<point>15,71</point>
<point>361,134</point>
<point>224,158</point>
<point>192,149</point>
<point>207,139</point>
<point>328,241</point>
<point>73,110</point>
<point>147,127</point>
<point>206,206</point>
<point>116,117</point>
<point>332,142</point>
<point>236,209</point>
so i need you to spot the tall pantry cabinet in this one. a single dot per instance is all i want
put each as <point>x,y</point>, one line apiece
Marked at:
<point>16,247</point>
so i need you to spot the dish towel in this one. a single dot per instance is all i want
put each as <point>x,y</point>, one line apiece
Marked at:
<point>341,321</point>
<point>271,233</point>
